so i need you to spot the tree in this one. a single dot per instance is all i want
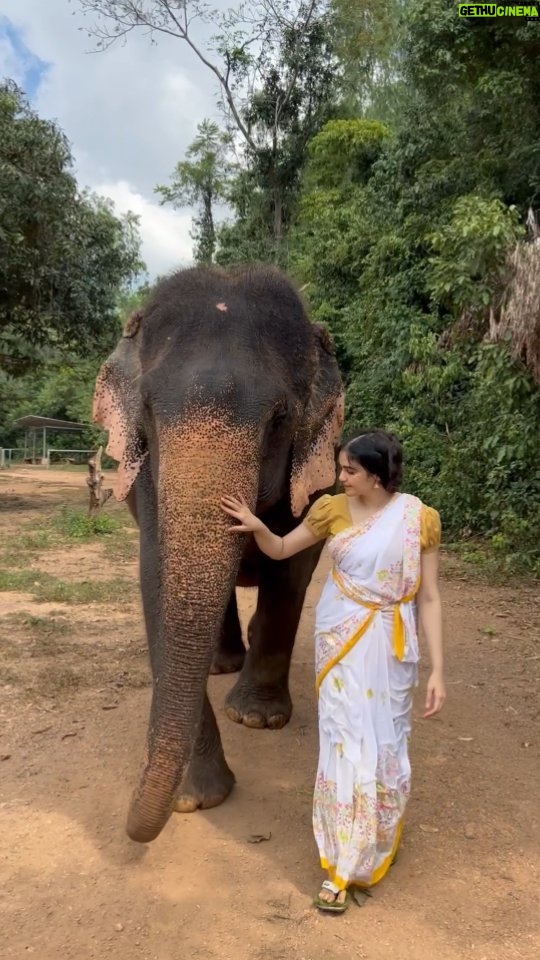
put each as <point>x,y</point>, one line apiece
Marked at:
<point>368,38</point>
<point>266,192</point>
<point>201,180</point>
<point>61,382</point>
<point>405,247</point>
<point>273,63</point>
<point>63,253</point>
<point>60,387</point>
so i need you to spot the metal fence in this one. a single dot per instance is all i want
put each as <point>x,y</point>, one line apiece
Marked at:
<point>57,455</point>
<point>11,455</point>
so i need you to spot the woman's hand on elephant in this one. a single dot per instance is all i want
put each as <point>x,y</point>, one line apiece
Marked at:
<point>247,521</point>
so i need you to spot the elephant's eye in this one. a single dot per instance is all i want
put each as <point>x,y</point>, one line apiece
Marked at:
<point>279,415</point>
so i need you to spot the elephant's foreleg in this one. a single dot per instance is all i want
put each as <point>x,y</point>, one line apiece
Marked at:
<point>208,780</point>
<point>230,651</point>
<point>260,697</point>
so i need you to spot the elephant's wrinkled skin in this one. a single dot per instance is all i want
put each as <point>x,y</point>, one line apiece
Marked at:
<point>221,385</point>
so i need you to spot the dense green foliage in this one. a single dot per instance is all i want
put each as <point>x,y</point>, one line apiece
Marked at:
<point>66,262</point>
<point>61,385</point>
<point>403,239</point>
<point>410,199</point>
<point>63,253</point>
<point>293,99</point>
<point>61,388</point>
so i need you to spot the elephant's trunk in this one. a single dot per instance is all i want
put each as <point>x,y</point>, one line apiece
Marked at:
<point>198,463</point>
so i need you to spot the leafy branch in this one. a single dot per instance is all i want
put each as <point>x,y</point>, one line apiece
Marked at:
<point>258,25</point>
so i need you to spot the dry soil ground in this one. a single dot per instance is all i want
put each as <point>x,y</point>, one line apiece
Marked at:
<point>75,695</point>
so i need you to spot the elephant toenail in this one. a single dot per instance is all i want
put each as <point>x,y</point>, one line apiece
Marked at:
<point>234,714</point>
<point>277,722</point>
<point>254,720</point>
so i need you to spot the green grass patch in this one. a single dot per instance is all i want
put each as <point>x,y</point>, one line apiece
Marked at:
<point>45,626</point>
<point>37,540</point>
<point>45,587</point>
<point>23,581</point>
<point>83,591</point>
<point>478,560</point>
<point>10,558</point>
<point>116,535</point>
<point>76,525</point>
<point>26,547</point>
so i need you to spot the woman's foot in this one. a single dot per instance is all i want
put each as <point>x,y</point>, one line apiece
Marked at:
<point>331,898</point>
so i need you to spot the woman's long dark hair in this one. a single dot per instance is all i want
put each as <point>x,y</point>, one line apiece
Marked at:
<point>378,452</point>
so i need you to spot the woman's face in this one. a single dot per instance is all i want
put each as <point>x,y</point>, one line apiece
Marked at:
<point>356,481</point>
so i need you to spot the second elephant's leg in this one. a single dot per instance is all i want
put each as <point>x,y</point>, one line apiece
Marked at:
<point>260,698</point>
<point>208,780</point>
<point>230,651</point>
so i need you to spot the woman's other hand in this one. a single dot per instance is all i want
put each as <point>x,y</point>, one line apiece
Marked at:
<point>436,694</point>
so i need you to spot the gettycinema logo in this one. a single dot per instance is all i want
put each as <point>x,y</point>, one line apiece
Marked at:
<point>497,10</point>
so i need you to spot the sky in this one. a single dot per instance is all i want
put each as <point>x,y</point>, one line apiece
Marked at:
<point>129,113</point>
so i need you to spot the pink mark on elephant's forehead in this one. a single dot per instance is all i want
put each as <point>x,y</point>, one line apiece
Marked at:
<point>222,307</point>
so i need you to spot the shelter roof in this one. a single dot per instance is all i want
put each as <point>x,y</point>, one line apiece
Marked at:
<point>50,423</point>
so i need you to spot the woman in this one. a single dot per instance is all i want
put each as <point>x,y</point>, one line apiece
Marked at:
<point>384,546</point>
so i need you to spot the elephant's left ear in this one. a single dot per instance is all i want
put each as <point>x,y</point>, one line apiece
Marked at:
<point>116,407</point>
<point>317,438</point>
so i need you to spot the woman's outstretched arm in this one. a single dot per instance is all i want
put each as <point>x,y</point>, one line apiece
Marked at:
<point>277,548</point>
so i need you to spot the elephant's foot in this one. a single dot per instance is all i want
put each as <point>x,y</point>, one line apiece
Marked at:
<point>228,661</point>
<point>207,783</point>
<point>259,705</point>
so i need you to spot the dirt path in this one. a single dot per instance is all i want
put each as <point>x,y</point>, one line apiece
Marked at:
<point>75,695</point>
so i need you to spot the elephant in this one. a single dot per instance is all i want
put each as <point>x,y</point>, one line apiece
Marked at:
<point>220,384</point>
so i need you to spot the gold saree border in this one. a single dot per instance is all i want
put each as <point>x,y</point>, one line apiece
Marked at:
<point>377,874</point>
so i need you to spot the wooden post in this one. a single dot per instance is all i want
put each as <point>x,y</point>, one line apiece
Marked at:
<point>95,480</point>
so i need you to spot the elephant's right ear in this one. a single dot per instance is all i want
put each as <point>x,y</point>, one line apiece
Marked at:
<point>315,444</point>
<point>116,407</point>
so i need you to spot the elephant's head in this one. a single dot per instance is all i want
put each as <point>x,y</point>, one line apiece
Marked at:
<point>222,385</point>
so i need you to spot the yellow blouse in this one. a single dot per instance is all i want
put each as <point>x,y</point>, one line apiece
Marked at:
<point>330,515</point>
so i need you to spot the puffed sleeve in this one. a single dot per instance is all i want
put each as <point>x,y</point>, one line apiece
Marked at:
<point>319,517</point>
<point>430,529</point>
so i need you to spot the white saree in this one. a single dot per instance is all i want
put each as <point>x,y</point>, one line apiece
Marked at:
<point>366,651</point>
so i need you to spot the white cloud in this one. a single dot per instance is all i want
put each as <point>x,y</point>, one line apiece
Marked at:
<point>165,233</point>
<point>10,63</point>
<point>130,112</point>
